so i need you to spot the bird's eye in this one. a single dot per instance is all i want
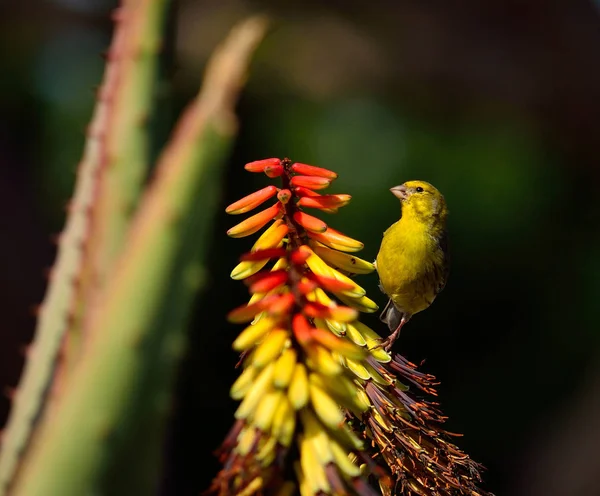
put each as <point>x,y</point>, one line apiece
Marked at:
<point>419,189</point>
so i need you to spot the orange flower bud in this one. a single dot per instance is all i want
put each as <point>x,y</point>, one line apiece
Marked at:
<point>324,201</point>
<point>309,222</point>
<point>254,223</point>
<point>336,240</point>
<point>259,165</point>
<point>263,254</point>
<point>331,284</point>
<point>284,196</point>
<point>272,236</point>
<point>251,201</point>
<point>316,310</point>
<point>301,191</point>
<point>302,329</point>
<point>274,170</point>
<point>311,170</point>
<point>311,182</point>
<point>299,256</point>
<point>282,304</point>
<point>246,313</point>
<point>267,281</point>
<point>339,313</point>
<point>306,286</point>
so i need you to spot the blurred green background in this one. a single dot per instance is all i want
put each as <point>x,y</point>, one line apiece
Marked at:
<point>496,103</point>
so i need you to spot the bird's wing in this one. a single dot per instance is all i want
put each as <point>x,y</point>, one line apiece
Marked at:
<point>444,270</point>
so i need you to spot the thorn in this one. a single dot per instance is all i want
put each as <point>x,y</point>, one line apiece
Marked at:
<point>143,120</point>
<point>118,15</point>
<point>35,310</point>
<point>70,318</point>
<point>88,211</point>
<point>105,432</point>
<point>76,283</point>
<point>96,134</point>
<point>10,392</point>
<point>172,218</point>
<point>55,238</point>
<point>61,353</point>
<point>138,341</point>
<point>25,350</point>
<point>108,55</point>
<point>103,94</point>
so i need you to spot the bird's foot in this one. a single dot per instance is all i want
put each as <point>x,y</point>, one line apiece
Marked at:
<point>386,344</point>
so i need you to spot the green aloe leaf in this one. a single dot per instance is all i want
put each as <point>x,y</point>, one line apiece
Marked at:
<point>109,179</point>
<point>136,336</point>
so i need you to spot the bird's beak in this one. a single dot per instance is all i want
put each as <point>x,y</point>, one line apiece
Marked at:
<point>400,192</point>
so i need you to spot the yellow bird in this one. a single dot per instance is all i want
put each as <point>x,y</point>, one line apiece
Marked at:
<point>413,259</point>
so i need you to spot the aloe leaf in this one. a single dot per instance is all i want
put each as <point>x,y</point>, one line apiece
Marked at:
<point>108,183</point>
<point>138,328</point>
<point>125,102</point>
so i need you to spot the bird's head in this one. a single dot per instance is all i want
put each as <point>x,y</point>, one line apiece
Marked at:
<point>421,199</point>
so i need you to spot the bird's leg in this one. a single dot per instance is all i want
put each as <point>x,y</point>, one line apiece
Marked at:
<point>388,342</point>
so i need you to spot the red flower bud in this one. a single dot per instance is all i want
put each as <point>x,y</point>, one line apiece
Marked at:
<point>301,191</point>
<point>311,170</point>
<point>336,240</point>
<point>267,281</point>
<point>254,223</point>
<point>310,182</point>
<point>282,304</point>
<point>331,284</point>
<point>274,170</point>
<point>259,165</point>
<point>306,287</point>
<point>263,254</point>
<point>300,256</point>
<point>246,313</point>
<point>339,313</point>
<point>309,222</point>
<point>251,201</point>
<point>302,329</point>
<point>324,201</point>
<point>284,196</point>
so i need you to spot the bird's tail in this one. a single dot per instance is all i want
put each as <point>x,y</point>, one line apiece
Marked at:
<point>391,316</point>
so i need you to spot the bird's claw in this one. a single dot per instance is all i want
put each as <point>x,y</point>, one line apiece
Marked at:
<point>386,344</point>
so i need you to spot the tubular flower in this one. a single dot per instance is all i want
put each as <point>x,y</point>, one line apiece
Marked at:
<point>323,409</point>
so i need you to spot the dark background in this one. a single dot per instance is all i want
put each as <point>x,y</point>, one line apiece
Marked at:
<point>496,103</point>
